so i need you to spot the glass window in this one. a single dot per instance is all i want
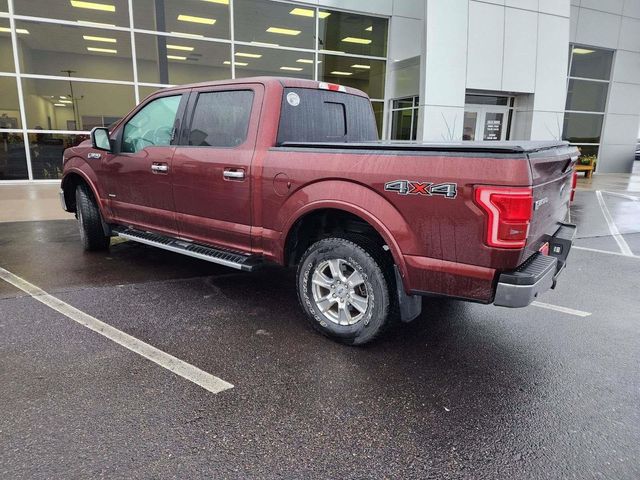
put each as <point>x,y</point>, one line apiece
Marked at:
<point>110,12</point>
<point>587,96</point>
<point>221,119</point>
<point>208,18</point>
<point>469,126</point>
<point>4,8</point>
<point>6,49</point>
<point>401,124</point>
<point>144,92</point>
<point>13,159</point>
<point>252,62</point>
<point>87,52</point>
<point>361,73</point>
<point>265,21</point>
<point>378,112</point>
<point>587,62</point>
<point>582,127</point>
<point>64,105</point>
<point>485,100</point>
<point>9,106</point>
<point>176,61</point>
<point>152,125</point>
<point>46,153</point>
<point>350,33</point>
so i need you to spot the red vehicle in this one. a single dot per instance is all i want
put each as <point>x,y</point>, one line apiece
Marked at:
<point>276,170</point>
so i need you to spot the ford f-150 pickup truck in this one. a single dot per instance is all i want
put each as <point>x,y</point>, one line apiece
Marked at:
<point>260,171</point>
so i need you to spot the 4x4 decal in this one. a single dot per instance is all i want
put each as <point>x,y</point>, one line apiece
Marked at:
<point>408,187</point>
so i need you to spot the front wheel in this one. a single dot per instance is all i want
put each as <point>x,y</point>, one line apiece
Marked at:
<point>89,221</point>
<point>346,289</point>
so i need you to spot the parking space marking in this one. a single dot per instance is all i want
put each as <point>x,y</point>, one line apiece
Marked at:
<point>597,250</point>
<point>615,233</point>
<point>157,356</point>
<point>558,308</point>
<point>622,195</point>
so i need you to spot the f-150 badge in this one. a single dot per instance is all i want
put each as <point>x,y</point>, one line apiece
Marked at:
<point>408,187</point>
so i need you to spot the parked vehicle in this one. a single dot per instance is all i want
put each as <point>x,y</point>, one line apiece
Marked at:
<point>267,170</point>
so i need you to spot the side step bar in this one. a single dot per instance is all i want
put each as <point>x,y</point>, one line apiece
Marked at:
<point>246,263</point>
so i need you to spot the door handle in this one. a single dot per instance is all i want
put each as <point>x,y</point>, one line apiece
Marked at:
<point>233,174</point>
<point>159,168</point>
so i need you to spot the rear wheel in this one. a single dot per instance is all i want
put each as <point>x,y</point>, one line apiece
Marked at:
<point>346,288</point>
<point>89,221</point>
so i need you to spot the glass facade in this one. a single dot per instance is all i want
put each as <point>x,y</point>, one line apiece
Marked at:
<point>86,64</point>
<point>404,118</point>
<point>587,90</point>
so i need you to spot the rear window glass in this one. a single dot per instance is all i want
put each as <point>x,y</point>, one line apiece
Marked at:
<point>311,115</point>
<point>221,119</point>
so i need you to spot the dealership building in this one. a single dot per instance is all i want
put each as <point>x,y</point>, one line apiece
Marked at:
<point>435,70</point>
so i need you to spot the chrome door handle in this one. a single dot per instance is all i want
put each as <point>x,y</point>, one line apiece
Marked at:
<point>233,174</point>
<point>159,168</point>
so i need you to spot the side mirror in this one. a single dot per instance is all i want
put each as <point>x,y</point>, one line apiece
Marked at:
<point>100,139</point>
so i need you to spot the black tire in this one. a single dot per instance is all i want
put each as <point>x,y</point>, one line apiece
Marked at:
<point>378,286</point>
<point>89,221</point>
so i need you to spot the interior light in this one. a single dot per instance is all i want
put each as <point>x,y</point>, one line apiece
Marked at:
<point>341,73</point>
<point>330,51</point>
<point>363,41</point>
<point>65,101</point>
<point>188,34</point>
<point>99,39</point>
<point>93,6</point>
<point>180,47</point>
<point>369,29</point>
<point>176,57</point>
<point>102,50</point>
<point>581,51</point>
<point>308,12</point>
<point>59,104</point>
<point>366,67</point>
<point>192,19</point>
<point>94,24</point>
<point>238,64</point>
<point>221,2</point>
<point>18,30</point>
<point>248,55</point>
<point>62,96</point>
<point>304,60</point>
<point>292,69</point>
<point>283,31</point>
<point>265,44</point>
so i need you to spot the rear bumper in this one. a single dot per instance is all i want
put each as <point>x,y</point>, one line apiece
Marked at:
<point>537,274</point>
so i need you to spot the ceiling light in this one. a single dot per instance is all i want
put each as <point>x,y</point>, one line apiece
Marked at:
<point>265,44</point>
<point>291,69</point>
<point>581,51</point>
<point>18,30</point>
<point>180,47</point>
<point>238,64</point>
<point>65,101</point>
<point>95,24</point>
<point>99,39</point>
<point>188,34</point>
<point>366,67</point>
<point>192,19</point>
<point>304,60</point>
<point>369,29</point>
<point>102,50</point>
<point>176,57</point>
<point>59,104</point>
<point>308,12</point>
<point>330,51</point>
<point>341,73</point>
<point>363,41</point>
<point>221,2</point>
<point>248,55</point>
<point>283,31</point>
<point>93,6</point>
<point>62,96</point>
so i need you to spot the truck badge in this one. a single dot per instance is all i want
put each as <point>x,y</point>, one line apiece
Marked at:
<point>409,187</point>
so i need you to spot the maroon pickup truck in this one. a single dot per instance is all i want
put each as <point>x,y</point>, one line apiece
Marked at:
<point>261,171</point>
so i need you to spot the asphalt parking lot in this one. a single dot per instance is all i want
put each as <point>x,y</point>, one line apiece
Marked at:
<point>466,391</point>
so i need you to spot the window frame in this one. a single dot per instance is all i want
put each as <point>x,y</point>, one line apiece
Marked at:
<point>190,110</point>
<point>118,132</point>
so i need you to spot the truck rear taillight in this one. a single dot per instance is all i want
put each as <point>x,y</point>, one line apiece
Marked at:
<point>334,87</point>
<point>574,184</point>
<point>509,211</point>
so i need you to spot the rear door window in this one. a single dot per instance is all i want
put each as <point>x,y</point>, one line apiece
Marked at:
<point>312,115</point>
<point>220,119</point>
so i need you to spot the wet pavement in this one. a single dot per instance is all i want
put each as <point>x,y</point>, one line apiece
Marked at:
<point>466,391</point>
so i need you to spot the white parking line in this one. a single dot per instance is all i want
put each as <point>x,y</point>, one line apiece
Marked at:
<point>622,195</point>
<point>171,363</point>
<point>615,233</point>
<point>558,308</point>
<point>605,251</point>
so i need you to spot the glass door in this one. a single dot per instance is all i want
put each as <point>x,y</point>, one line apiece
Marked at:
<point>486,123</point>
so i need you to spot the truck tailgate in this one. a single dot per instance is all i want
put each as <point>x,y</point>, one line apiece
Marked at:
<point>551,173</point>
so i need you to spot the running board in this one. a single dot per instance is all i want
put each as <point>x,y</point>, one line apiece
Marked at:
<point>246,263</point>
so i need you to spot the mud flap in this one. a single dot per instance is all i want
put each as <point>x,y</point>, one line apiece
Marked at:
<point>410,305</point>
